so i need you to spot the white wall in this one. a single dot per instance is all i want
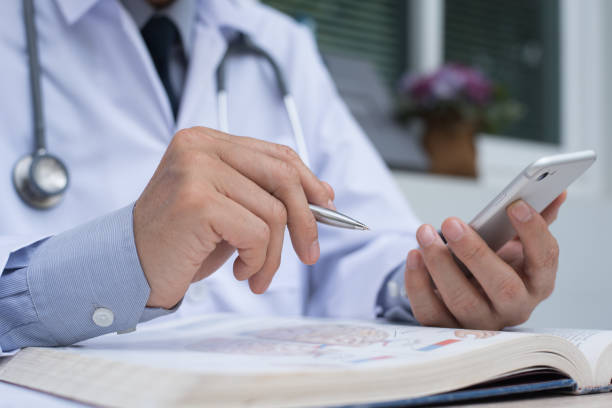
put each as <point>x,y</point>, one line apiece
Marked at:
<point>583,293</point>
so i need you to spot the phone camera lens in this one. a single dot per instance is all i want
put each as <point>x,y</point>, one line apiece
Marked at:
<point>542,176</point>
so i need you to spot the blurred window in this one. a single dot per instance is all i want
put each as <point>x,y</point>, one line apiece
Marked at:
<point>516,43</point>
<point>368,30</point>
<point>364,47</point>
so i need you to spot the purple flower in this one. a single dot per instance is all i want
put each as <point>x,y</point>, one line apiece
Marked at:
<point>447,84</point>
<point>418,88</point>
<point>450,83</point>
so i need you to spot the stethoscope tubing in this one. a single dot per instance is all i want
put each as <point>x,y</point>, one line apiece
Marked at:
<point>26,183</point>
<point>242,44</point>
<point>40,145</point>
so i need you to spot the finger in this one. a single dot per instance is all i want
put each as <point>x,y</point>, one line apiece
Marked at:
<point>426,306</point>
<point>552,210</point>
<point>460,296</point>
<point>502,285</point>
<point>261,203</point>
<point>243,230</point>
<point>282,181</point>
<point>214,261</point>
<point>512,254</point>
<point>539,246</point>
<point>261,280</point>
<point>330,190</point>
<point>317,192</point>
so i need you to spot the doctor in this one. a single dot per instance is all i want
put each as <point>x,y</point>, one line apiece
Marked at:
<point>160,214</point>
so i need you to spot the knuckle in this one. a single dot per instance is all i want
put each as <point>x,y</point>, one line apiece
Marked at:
<point>288,174</point>
<point>544,290</point>
<point>278,213</point>
<point>510,291</point>
<point>262,233</point>
<point>190,139</point>
<point>193,197</point>
<point>467,306</point>
<point>186,156</point>
<point>547,290</point>
<point>520,317</point>
<point>552,255</point>
<point>287,153</point>
<point>548,259</point>
<point>184,138</point>
<point>187,160</point>
<point>472,253</point>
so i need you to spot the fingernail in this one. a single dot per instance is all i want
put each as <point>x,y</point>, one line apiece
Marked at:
<point>413,260</point>
<point>426,236</point>
<point>452,230</point>
<point>520,211</point>
<point>314,251</point>
<point>330,205</point>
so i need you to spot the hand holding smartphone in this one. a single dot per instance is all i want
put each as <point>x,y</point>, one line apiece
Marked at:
<point>497,288</point>
<point>538,185</point>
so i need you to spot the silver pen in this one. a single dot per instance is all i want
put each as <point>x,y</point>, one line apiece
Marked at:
<point>336,219</point>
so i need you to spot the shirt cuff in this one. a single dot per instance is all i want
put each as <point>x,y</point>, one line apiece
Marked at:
<point>392,302</point>
<point>79,284</point>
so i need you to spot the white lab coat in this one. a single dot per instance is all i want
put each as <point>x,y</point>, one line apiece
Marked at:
<point>108,117</point>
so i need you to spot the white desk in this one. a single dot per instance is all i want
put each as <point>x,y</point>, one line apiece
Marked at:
<point>544,401</point>
<point>13,397</point>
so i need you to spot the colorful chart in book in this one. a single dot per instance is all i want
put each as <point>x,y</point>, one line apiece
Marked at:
<point>250,346</point>
<point>293,340</point>
<point>242,344</point>
<point>317,340</point>
<point>332,334</point>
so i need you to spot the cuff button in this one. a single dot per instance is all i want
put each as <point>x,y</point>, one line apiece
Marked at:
<point>103,317</point>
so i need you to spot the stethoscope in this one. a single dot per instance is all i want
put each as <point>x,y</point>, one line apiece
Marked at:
<point>241,45</point>
<point>41,179</point>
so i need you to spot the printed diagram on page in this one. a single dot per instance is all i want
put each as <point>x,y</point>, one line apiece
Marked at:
<point>337,341</point>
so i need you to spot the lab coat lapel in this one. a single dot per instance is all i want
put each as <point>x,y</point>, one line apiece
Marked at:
<point>73,10</point>
<point>215,17</point>
<point>199,93</point>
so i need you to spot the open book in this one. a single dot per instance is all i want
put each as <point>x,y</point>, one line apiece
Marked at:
<point>229,360</point>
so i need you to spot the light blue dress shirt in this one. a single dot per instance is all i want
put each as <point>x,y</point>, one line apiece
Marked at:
<point>50,290</point>
<point>46,289</point>
<point>392,302</point>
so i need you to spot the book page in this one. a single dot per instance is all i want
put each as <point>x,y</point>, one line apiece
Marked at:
<point>592,343</point>
<point>231,344</point>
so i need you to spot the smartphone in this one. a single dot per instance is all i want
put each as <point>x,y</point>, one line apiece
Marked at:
<point>538,185</point>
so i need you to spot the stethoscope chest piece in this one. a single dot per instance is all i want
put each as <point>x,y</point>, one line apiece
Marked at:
<point>40,179</point>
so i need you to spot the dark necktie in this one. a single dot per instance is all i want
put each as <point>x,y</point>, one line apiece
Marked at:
<point>161,35</point>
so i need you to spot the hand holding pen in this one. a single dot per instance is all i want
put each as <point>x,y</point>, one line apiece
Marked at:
<point>213,194</point>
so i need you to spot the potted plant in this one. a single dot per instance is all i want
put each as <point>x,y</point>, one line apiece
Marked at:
<point>455,102</point>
